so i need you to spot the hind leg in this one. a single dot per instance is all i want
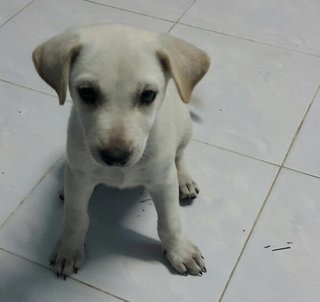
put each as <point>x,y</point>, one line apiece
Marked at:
<point>188,188</point>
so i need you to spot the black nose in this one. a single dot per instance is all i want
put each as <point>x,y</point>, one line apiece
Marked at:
<point>114,157</point>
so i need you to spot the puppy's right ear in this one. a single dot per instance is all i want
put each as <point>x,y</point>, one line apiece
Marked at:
<point>53,59</point>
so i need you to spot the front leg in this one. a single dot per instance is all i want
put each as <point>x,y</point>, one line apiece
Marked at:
<point>68,255</point>
<point>183,255</point>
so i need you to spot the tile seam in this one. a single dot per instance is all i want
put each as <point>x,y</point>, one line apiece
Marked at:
<point>235,152</point>
<point>129,11</point>
<point>181,16</point>
<point>301,124</point>
<point>27,88</point>
<point>14,15</point>
<point>251,40</point>
<point>249,235</point>
<point>30,192</point>
<point>74,279</point>
<point>268,195</point>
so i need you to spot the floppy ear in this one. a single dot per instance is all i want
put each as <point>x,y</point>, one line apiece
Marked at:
<point>52,60</point>
<point>185,63</point>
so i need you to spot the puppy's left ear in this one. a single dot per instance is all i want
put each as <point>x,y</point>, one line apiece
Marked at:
<point>185,63</point>
<point>53,59</point>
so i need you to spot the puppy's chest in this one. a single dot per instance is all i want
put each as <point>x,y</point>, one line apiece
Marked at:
<point>123,178</point>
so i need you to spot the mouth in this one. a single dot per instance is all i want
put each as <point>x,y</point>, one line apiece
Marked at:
<point>116,164</point>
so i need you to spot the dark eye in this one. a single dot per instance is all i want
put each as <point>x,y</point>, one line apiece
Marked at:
<point>87,94</point>
<point>147,97</point>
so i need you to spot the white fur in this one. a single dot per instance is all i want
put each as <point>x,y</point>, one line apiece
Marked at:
<point>121,60</point>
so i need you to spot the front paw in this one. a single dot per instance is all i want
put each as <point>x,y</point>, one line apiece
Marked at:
<point>188,188</point>
<point>185,257</point>
<point>66,260</point>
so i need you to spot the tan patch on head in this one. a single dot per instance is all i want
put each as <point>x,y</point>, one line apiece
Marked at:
<point>53,60</point>
<point>185,63</point>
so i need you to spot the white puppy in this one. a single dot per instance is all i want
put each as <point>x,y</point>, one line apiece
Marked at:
<point>127,128</point>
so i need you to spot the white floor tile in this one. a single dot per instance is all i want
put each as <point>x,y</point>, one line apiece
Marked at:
<point>305,153</point>
<point>45,18</point>
<point>32,138</point>
<point>9,8</point>
<point>254,96</point>
<point>293,24</point>
<point>123,251</point>
<point>290,219</point>
<point>22,281</point>
<point>167,9</point>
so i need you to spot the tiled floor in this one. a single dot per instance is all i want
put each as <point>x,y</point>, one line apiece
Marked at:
<point>255,153</point>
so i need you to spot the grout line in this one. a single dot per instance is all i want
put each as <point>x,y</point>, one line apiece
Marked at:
<point>255,158</point>
<point>205,29</point>
<point>268,195</point>
<point>18,12</point>
<point>185,24</point>
<point>236,152</point>
<point>99,289</point>
<point>28,194</point>
<point>22,257</point>
<point>28,88</point>
<point>251,40</point>
<point>301,172</point>
<point>72,278</point>
<point>185,11</point>
<point>129,11</point>
<point>301,124</point>
<point>68,100</point>
<point>249,236</point>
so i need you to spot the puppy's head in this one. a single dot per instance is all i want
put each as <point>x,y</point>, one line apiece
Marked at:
<point>117,78</point>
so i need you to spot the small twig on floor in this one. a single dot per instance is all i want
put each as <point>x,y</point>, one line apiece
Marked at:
<point>282,248</point>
